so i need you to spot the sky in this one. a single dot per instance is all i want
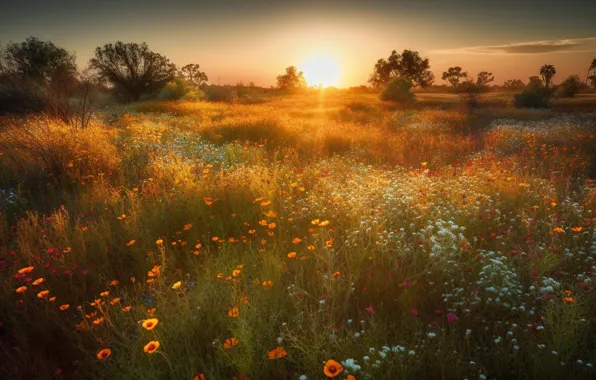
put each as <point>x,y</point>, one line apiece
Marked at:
<point>244,40</point>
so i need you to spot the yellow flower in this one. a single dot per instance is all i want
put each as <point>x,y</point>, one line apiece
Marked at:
<point>149,324</point>
<point>324,223</point>
<point>64,307</point>
<point>315,222</point>
<point>38,281</point>
<point>177,285</point>
<point>21,289</point>
<point>151,347</point>
<point>236,273</point>
<point>43,294</point>
<point>103,354</point>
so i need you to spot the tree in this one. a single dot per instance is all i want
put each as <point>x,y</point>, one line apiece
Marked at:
<point>133,67</point>
<point>453,75</point>
<point>291,80</point>
<point>194,75</point>
<point>470,89</point>
<point>592,69</point>
<point>408,65</point>
<point>547,72</point>
<point>571,86</point>
<point>534,83</point>
<point>38,76</point>
<point>513,84</point>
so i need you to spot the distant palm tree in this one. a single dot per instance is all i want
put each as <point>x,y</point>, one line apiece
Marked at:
<point>547,72</point>
<point>592,67</point>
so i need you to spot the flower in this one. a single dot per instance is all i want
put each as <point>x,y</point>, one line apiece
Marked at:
<point>64,307</point>
<point>292,255</point>
<point>236,273</point>
<point>38,281</point>
<point>230,342</point>
<point>159,241</point>
<point>98,321</point>
<point>177,285</point>
<point>21,289</point>
<point>324,223</point>
<point>370,309</point>
<point>233,312</point>
<point>126,309</point>
<point>104,354</point>
<point>336,274</point>
<point>332,368</point>
<point>149,324</point>
<point>451,317</point>
<point>25,270</point>
<point>277,353</point>
<point>577,229</point>
<point>267,284</point>
<point>130,243</point>
<point>569,300</point>
<point>200,376</point>
<point>296,240</point>
<point>414,312</point>
<point>104,294</point>
<point>114,282</point>
<point>43,294</point>
<point>151,347</point>
<point>558,230</point>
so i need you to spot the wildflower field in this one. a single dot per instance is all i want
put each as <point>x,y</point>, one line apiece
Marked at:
<point>307,237</point>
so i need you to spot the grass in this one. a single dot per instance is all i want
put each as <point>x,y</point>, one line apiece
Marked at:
<point>401,243</point>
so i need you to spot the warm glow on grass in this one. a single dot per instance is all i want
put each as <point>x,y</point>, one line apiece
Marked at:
<point>321,70</point>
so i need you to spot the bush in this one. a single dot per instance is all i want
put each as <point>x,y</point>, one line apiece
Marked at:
<point>180,89</point>
<point>398,90</point>
<point>570,86</point>
<point>532,98</point>
<point>221,94</point>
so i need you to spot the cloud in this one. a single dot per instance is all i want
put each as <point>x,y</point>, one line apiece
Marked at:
<point>537,47</point>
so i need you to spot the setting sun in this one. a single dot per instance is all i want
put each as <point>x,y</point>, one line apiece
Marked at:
<point>320,70</point>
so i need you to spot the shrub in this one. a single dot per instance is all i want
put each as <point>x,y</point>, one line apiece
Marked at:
<point>570,86</point>
<point>398,90</point>
<point>221,94</point>
<point>532,98</point>
<point>178,89</point>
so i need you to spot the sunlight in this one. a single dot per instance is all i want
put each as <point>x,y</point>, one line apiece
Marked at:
<point>321,70</point>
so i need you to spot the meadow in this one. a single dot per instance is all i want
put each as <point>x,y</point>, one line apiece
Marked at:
<point>305,237</point>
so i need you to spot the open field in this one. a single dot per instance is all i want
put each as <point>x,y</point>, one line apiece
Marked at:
<point>175,240</point>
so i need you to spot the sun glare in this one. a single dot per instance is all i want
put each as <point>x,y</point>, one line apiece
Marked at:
<point>321,71</point>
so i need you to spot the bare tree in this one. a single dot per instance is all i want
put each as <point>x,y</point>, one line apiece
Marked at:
<point>194,75</point>
<point>471,90</point>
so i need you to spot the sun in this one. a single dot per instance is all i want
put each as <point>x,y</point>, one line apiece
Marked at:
<point>321,71</point>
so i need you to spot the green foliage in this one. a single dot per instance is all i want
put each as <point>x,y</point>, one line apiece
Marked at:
<point>398,90</point>
<point>180,89</point>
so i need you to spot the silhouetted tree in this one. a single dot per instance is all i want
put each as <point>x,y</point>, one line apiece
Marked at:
<point>534,83</point>
<point>408,65</point>
<point>291,80</point>
<point>398,90</point>
<point>470,89</point>
<point>193,74</point>
<point>592,70</point>
<point>133,67</point>
<point>547,72</point>
<point>513,84</point>
<point>570,86</point>
<point>454,75</point>
<point>38,76</point>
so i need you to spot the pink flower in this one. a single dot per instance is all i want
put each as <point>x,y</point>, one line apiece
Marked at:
<point>415,312</point>
<point>370,309</point>
<point>407,284</point>
<point>451,317</point>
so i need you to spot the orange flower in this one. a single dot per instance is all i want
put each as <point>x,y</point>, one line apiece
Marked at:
<point>159,241</point>
<point>220,275</point>
<point>151,311</point>
<point>103,354</point>
<point>292,255</point>
<point>569,300</point>
<point>351,377</point>
<point>336,275</point>
<point>577,229</point>
<point>230,342</point>
<point>558,230</point>
<point>210,201</point>
<point>324,223</point>
<point>98,321</point>
<point>244,300</point>
<point>329,243</point>
<point>104,294</point>
<point>151,347</point>
<point>115,301</point>
<point>43,294</point>
<point>177,285</point>
<point>38,281</point>
<point>25,270</point>
<point>130,243</point>
<point>149,324</point>
<point>265,204</point>
<point>200,376</point>
<point>96,303</point>
<point>187,227</point>
<point>311,248</point>
<point>154,271</point>
<point>315,222</point>
<point>236,273</point>
<point>296,240</point>
<point>233,312</point>
<point>114,283</point>
<point>126,309</point>
<point>64,307</point>
<point>277,353</point>
<point>52,299</point>
<point>332,368</point>
<point>21,289</point>
<point>267,284</point>
<point>263,222</point>
<point>271,214</point>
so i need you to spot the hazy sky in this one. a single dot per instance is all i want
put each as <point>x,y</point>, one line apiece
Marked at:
<point>255,40</point>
